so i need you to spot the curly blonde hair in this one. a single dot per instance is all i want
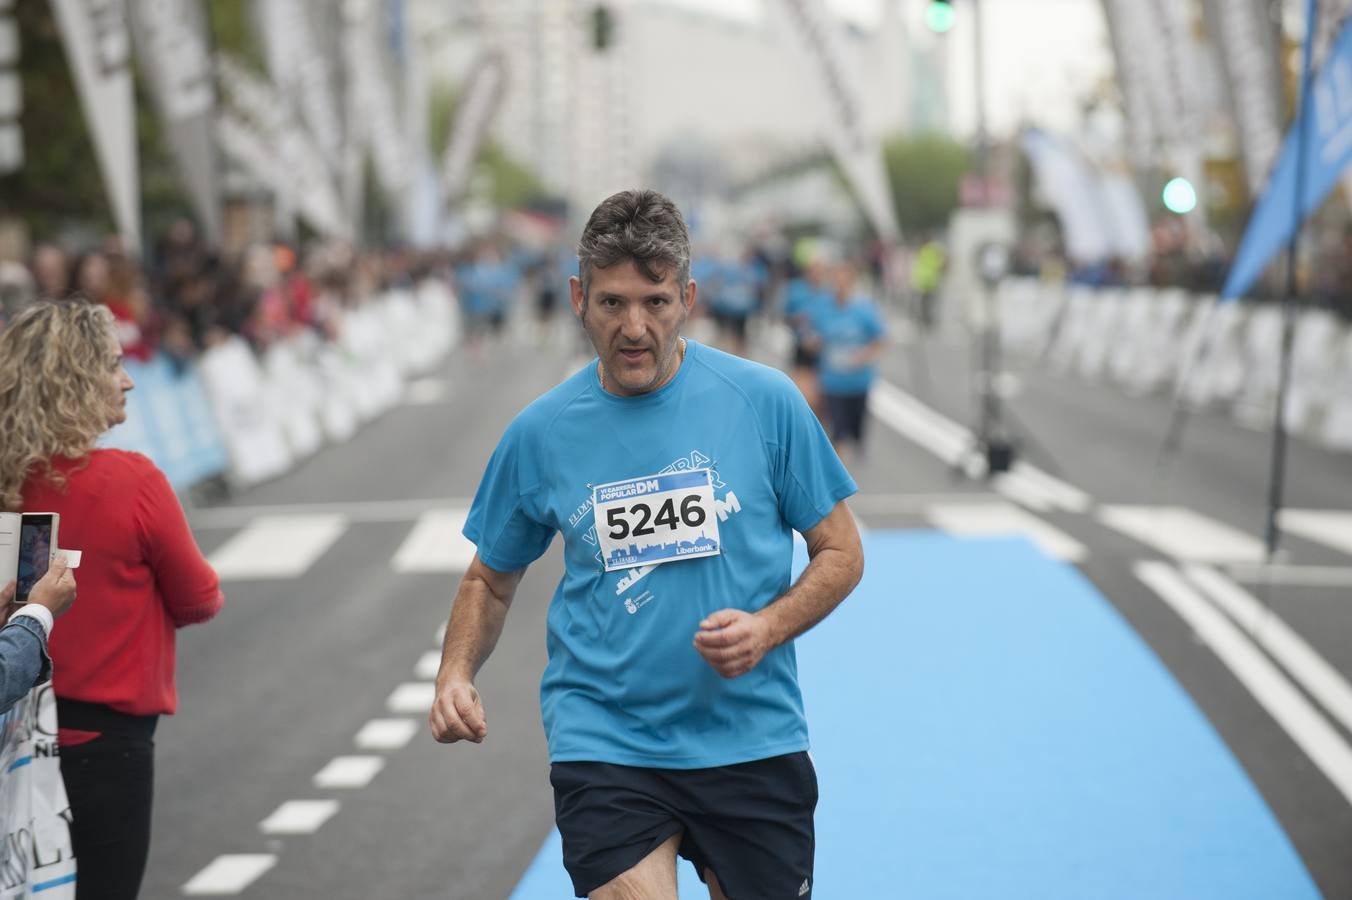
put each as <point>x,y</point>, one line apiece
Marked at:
<point>54,362</point>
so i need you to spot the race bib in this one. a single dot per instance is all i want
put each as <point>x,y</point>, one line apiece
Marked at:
<point>656,519</point>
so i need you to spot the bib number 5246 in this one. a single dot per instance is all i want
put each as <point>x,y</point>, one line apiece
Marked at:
<point>656,519</point>
<point>638,519</point>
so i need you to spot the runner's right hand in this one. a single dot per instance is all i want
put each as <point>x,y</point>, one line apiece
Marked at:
<point>56,589</point>
<point>458,714</point>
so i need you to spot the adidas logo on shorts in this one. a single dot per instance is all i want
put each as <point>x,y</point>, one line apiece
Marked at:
<point>802,891</point>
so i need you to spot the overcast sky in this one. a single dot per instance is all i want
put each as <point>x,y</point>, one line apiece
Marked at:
<point>1042,56</point>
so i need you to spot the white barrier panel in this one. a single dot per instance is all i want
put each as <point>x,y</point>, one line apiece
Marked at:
<point>1076,323</point>
<point>1336,430</point>
<point>1132,341</point>
<point>1262,349</point>
<point>1314,369</point>
<point>1217,374</point>
<point>293,386</point>
<point>248,421</point>
<point>1109,307</point>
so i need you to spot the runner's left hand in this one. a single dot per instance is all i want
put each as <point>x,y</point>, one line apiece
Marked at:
<point>732,641</point>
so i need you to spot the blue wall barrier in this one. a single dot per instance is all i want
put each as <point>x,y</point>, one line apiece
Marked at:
<point>169,420</point>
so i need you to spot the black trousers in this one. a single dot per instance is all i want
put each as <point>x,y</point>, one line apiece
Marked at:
<point>110,783</point>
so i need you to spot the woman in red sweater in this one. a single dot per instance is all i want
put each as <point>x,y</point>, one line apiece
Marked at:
<point>142,576</point>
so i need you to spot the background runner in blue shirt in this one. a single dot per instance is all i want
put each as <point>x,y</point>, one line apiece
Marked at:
<point>851,331</point>
<point>670,699</point>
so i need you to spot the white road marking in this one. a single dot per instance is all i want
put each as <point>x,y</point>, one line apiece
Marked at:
<point>441,633</point>
<point>230,874</point>
<point>412,697</point>
<point>428,664</point>
<point>349,771</point>
<point>917,422</point>
<point>425,392</point>
<point>1264,627</point>
<point>1051,490</point>
<point>1332,528</point>
<point>277,546</point>
<point>352,510</point>
<point>901,504</point>
<point>991,519</point>
<point>1280,573</point>
<point>435,544</point>
<point>1182,533</point>
<point>386,734</point>
<point>299,817</point>
<point>952,443</point>
<point>1274,692</point>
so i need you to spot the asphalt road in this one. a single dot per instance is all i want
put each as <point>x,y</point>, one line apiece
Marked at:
<point>300,662</point>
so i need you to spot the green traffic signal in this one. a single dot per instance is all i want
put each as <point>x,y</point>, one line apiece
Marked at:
<point>1179,196</point>
<point>939,16</point>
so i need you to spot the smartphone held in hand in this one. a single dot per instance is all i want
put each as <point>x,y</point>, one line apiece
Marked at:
<point>28,541</point>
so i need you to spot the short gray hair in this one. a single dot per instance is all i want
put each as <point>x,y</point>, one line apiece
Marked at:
<point>641,226</point>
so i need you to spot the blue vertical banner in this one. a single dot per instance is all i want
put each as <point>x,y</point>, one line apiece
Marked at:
<point>1327,153</point>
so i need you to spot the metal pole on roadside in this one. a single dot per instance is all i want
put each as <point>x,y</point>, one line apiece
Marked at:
<point>1290,299</point>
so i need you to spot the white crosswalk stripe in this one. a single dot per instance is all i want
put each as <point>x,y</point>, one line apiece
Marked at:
<point>1183,533</point>
<point>277,546</point>
<point>435,544</point>
<point>428,664</point>
<point>230,874</point>
<point>992,519</point>
<point>1332,528</point>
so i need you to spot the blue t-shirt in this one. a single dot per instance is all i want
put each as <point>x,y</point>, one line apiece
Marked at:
<point>738,290</point>
<point>802,299</point>
<point>624,683</point>
<point>844,331</point>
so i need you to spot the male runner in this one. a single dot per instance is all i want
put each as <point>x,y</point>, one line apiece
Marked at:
<point>676,474</point>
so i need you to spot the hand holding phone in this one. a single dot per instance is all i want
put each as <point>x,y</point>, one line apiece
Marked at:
<point>56,588</point>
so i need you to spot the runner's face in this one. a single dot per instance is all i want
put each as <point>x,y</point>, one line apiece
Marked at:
<point>634,324</point>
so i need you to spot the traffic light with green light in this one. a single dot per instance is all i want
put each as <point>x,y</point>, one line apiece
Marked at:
<point>939,16</point>
<point>1179,196</point>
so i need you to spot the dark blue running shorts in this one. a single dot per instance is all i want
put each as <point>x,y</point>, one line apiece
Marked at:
<point>751,823</point>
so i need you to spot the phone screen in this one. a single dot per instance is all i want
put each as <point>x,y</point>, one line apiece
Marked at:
<point>35,553</point>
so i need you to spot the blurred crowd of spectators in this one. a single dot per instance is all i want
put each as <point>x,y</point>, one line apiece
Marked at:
<point>185,298</point>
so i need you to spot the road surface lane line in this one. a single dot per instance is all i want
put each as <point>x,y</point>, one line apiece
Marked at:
<point>1279,573</point>
<point>1265,628</point>
<point>349,771</point>
<point>352,510</point>
<point>230,873</point>
<point>277,546</point>
<point>386,734</point>
<point>299,817</point>
<point>435,544</point>
<point>992,519</point>
<point>412,697</point>
<point>1283,701</point>
<point>1332,528</point>
<point>1182,533</point>
<point>428,665</point>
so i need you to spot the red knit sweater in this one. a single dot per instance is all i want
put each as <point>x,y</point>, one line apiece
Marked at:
<point>141,577</point>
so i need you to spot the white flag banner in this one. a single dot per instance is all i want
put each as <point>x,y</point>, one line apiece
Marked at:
<point>301,72</point>
<point>1134,79</point>
<point>1249,44</point>
<point>860,155</point>
<point>256,131</point>
<point>480,102</point>
<point>171,44</point>
<point>37,859</point>
<point>375,117</point>
<point>98,47</point>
